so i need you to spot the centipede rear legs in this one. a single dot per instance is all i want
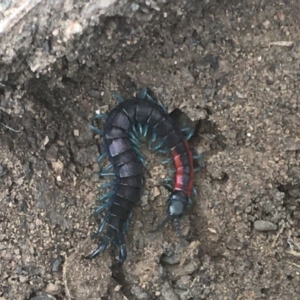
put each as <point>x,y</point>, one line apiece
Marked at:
<point>112,236</point>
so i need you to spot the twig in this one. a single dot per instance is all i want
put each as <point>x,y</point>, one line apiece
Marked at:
<point>14,130</point>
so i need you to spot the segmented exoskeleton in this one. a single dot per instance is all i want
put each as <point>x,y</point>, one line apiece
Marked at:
<point>140,116</point>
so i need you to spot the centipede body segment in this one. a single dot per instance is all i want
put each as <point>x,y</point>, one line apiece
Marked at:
<point>130,119</point>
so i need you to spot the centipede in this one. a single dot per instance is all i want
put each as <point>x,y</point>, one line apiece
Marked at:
<point>132,119</point>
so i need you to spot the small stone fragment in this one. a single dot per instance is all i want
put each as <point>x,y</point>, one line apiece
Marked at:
<point>261,225</point>
<point>5,4</point>
<point>52,288</point>
<point>57,264</point>
<point>155,192</point>
<point>2,170</point>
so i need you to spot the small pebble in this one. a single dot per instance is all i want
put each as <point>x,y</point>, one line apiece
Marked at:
<point>5,4</point>
<point>57,264</point>
<point>261,225</point>
<point>2,170</point>
<point>52,288</point>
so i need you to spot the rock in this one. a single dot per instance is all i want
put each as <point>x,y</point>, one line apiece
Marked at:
<point>261,225</point>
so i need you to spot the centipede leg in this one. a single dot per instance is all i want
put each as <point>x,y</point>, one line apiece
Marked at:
<point>140,155</point>
<point>107,168</point>
<point>163,151</point>
<point>167,183</point>
<point>188,132</point>
<point>102,157</point>
<point>96,129</point>
<point>146,127</point>
<point>143,93</point>
<point>101,226</point>
<point>194,190</point>
<point>140,129</point>
<point>167,161</point>
<point>105,197</point>
<point>134,139</point>
<point>198,162</point>
<point>177,228</point>
<point>118,97</point>
<point>99,116</point>
<point>122,251</point>
<point>101,208</point>
<point>153,139</point>
<point>158,146</point>
<point>106,185</point>
<point>126,224</point>
<point>168,187</point>
<point>102,247</point>
<point>106,174</point>
<point>134,130</point>
<point>159,102</point>
<point>197,168</point>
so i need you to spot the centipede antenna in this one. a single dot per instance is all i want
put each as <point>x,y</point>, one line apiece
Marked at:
<point>96,129</point>
<point>163,223</point>
<point>177,228</point>
<point>118,97</point>
<point>102,157</point>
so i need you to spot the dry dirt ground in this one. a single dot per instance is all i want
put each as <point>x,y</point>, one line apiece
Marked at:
<point>233,67</point>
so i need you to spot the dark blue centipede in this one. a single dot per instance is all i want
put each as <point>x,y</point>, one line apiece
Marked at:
<point>140,116</point>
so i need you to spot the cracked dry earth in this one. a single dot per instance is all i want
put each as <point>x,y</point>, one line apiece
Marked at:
<point>233,68</point>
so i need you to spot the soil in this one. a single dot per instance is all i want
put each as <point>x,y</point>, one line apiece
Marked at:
<point>233,68</point>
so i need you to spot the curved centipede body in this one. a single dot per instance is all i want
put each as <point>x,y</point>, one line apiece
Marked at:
<point>123,125</point>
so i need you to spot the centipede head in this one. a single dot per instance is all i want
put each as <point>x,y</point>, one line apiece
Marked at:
<point>177,204</point>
